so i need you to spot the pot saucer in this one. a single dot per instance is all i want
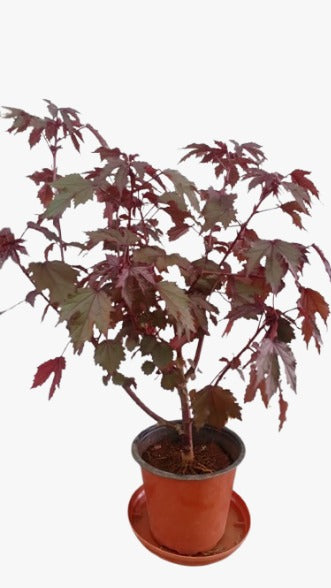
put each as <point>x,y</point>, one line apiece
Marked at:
<point>237,527</point>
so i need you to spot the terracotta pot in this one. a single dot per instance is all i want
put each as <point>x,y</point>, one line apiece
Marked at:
<point>188,514</point>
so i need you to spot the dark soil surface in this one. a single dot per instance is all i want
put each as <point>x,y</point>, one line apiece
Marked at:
<point>168,456</point>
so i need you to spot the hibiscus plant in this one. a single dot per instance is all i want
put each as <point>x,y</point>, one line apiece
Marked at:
<point>128,302</point>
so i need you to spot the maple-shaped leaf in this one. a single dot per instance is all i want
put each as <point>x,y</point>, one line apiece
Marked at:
<point>45,175</point>
<point>183,186</point>
<point>309,304</point>
<point>281,256</point>
<point>267,369</point>
<point>298,176</point>
<point>286,355</point>
<point>86,308</point>
<point>270,182</point>
<point>148,367</point>
<point>178,306</point>
<point>324,259</point>
<point>294,210</point>
<point>121,238</point>
<point>300,195</point>
<point>285,330</point>
<point>254,385</point>
<point>147,254</point>
<point>10,247</point>
<point>45,370</point>
<point>71,188</point>
<point>109,354</point>
<point>214,405</point>
<point>283,405</point>
<point>56,276</point>
<point>218,208</point>
<point>35,135</point>
<point>45,194</point>
<point>246,311</point>
<point>161,354</point>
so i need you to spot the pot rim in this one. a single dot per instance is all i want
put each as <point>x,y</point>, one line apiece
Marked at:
<point>197,477</point>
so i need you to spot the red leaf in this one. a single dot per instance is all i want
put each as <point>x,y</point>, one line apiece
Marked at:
<point>35,136</point>
<point>323,258</point>
<point>45,175</point>
<point>298,176</point>
<point>294,210</point>
<point>310,303</point>
<point>45,194</point>
<point>9,246</point>
<point>45,370</point>
<point>177,231</point>
<point>282,410</point>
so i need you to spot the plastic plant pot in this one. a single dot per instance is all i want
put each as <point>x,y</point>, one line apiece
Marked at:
<point>188,514</point>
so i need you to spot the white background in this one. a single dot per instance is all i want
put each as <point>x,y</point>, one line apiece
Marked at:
<point>152,77</point>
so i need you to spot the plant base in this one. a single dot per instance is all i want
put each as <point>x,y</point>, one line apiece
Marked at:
<point>237,527</point>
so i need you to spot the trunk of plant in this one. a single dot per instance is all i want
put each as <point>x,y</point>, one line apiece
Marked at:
<point>188,449</point>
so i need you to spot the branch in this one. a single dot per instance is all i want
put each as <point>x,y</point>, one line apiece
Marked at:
<point>145,408</point>
<point>234,359</point>
<point>196,359</point>
<point>11,307</point>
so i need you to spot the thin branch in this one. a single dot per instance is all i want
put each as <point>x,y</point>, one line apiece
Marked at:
<point>234,359</point>
<point>145,408</point>
<point>11,307</point>
<point>196,359</point>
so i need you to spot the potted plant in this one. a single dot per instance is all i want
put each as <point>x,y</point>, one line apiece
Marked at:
<point>133,294</point>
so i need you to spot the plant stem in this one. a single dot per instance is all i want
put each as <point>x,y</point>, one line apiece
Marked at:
<point>11,307</point>
<point>188,452</point>
<point>57,223</point>
<point>145,408</point>
<point>196,359</point>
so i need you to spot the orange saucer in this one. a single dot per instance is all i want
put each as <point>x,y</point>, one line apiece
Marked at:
<point>237,527</point>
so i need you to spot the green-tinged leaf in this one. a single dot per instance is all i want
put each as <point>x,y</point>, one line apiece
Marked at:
<point>281,256</point>
<point>148,367</point>
<point>178,305</point>
<point>147,344</point>
<point>83,310</point>
<point>164,261</point>
<point>147,255</point>
<point>218,209</point>
<point>70,188</point>
<point>132,343</point>
<point>109,354</point>
<point>121,237</point>
<point>214,405</point>
<point>161,354</point>
<point>121,380</point>
<point>285,330</point>
<point>178,199</point>
<point>183,186</point>
<point>258,249</point>
<point>299,194</point>
<point>171,380</point>
<point>56,276</point>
